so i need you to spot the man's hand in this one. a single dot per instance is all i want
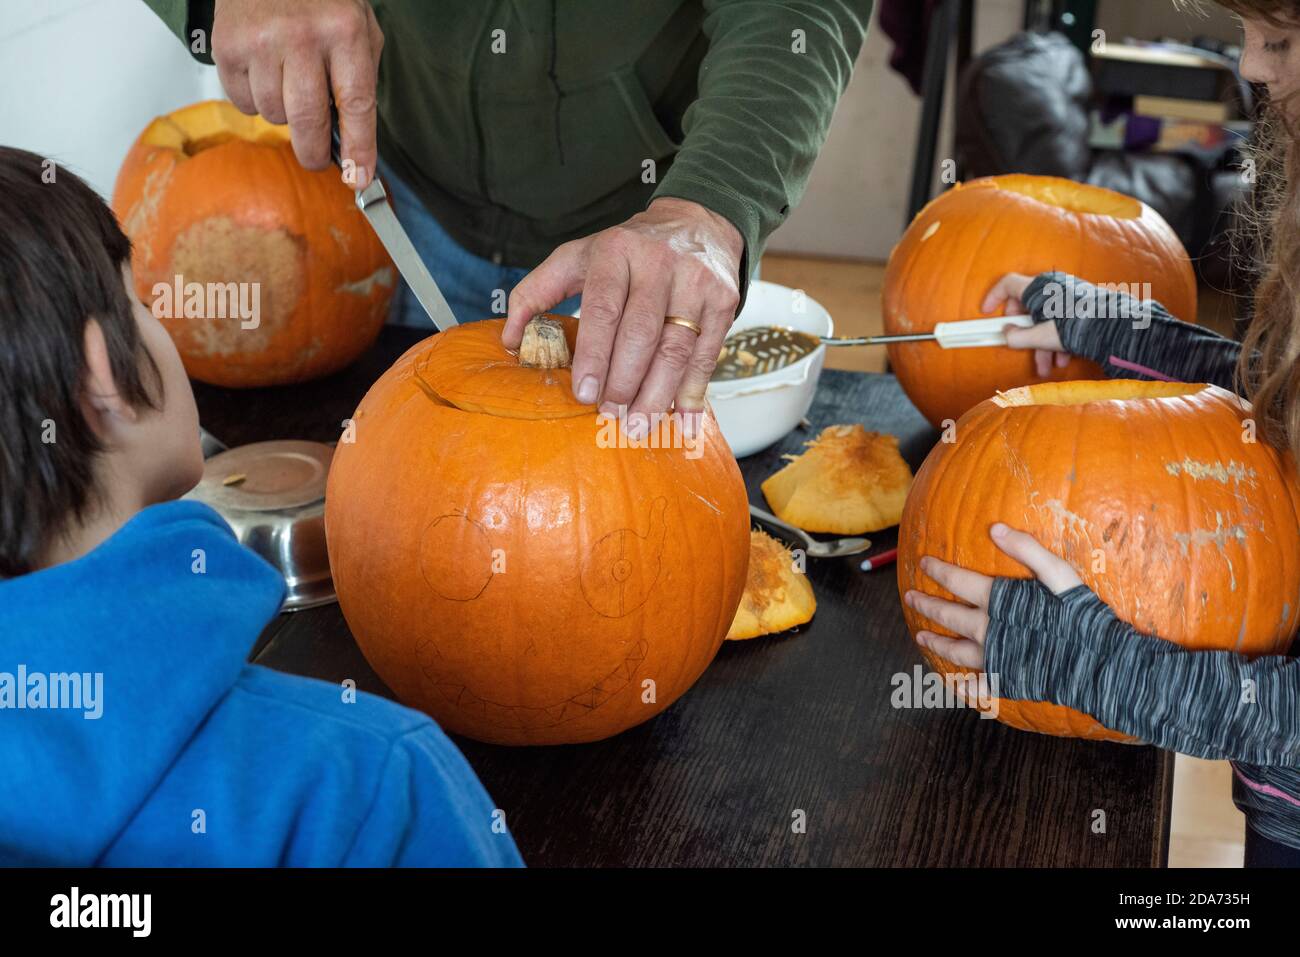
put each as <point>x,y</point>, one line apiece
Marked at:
<point>284,58</point>
<point>675,259</point>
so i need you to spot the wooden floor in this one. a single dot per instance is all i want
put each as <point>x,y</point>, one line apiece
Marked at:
<point>849,290</point>
<point>1207,830</point>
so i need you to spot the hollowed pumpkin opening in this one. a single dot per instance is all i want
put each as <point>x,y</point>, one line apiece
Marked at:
<point>212,123</point>
<point>1075,197</point>
<point>1086,391</point>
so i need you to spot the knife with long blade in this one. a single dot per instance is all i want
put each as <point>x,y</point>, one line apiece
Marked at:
<point>374,205</point>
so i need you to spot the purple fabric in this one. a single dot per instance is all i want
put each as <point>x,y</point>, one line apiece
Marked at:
<point>907,23</point>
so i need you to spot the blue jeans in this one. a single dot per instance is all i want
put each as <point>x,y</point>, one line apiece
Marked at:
<point>475,288</point>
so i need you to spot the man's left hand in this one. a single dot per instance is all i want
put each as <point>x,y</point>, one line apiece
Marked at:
<point>675,259</point>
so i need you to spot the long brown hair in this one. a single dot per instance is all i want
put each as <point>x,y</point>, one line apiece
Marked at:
<point>1269,232</point>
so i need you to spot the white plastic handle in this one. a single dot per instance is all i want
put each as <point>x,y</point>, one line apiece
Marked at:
<point>973,333</point>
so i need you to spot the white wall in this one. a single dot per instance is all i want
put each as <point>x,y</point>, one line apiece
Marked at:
<point>856,201</point>
<point>79,80</point>
<point>1145,20</point>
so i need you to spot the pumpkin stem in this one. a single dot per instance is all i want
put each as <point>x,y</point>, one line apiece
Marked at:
<point>544,345</point>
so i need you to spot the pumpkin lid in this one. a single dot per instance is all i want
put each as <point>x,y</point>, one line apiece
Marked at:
<point>468,367</point>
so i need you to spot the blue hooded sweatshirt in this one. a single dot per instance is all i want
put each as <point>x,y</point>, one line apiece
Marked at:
<point>171,750</point>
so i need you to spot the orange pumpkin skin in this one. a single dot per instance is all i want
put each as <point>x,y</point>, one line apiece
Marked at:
<point>503,572</point>
<point>215,196</point>
<point>1147,489</point>
<point>966,240</point>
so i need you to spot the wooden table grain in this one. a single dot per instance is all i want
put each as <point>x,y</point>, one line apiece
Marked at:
<point>788,750</point>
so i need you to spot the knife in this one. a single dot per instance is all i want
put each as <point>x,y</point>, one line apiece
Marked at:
<point>374,205</point>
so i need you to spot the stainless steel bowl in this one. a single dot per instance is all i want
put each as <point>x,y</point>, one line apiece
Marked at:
<point>273,496</point>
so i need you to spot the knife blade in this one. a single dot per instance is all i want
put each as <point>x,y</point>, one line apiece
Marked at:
<point>374,205</point>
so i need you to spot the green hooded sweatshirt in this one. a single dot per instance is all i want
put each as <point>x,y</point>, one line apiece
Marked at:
<point>523,124</point>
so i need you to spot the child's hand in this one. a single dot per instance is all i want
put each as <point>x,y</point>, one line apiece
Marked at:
<point>1042,338</point>
<point>972,620</point>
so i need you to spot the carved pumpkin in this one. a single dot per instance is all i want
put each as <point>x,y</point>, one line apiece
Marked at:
<point>967,239</point>
<point>1155,492</point>
<point>217,199</point>
<point>508,564</point>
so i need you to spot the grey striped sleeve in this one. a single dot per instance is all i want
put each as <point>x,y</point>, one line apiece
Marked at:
<point>1071,649</point>
<point>1098,323</point>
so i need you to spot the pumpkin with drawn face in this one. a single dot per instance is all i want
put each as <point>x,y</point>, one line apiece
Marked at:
<point>509,564</point>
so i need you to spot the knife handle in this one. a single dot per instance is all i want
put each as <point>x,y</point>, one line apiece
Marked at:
<point>336,144</point>
<point>374,191</point>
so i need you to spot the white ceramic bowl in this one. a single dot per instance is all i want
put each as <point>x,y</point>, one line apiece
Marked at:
<point>758,411</point>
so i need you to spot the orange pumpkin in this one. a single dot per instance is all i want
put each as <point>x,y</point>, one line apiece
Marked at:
<point>967,239</point>
<point>1155,492</point>
<point>509,565</point>
<point>215,197</point>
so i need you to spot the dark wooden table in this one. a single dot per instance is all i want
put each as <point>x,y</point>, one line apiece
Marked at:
<point>776,726</point>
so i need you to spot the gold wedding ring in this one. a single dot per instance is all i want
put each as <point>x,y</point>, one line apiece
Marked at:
<point>684,323</point>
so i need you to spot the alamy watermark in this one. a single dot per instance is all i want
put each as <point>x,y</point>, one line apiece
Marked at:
<point>1122,300</point>
<point>209,300</point>
<point>920,688</point>
<point>61,690</point>
<point>657,430</point>
<point>129,911</point>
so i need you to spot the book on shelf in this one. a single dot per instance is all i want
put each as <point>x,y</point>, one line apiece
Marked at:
<point>1197,111</point>
<point>1134,132</point>
<point>1134,69</point>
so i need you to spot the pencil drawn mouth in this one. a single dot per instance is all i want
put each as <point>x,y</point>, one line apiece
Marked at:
<point>524,717</point>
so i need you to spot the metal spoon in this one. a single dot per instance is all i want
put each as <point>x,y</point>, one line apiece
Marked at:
<point>839,548</point>
<point>762,349</point>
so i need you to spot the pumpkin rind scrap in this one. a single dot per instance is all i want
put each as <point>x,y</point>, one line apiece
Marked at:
<point>777,597</point>
<point>508,571</point>
<point>217,198</point>
<point>1148,489</point>
<point>849,481</point>
<point>967,239</point>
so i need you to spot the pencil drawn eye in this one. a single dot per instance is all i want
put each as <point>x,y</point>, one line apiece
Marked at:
<point>456,557</point>
<point>623,567</point>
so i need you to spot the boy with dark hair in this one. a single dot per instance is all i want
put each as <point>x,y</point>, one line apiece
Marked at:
<point>132,731</point>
